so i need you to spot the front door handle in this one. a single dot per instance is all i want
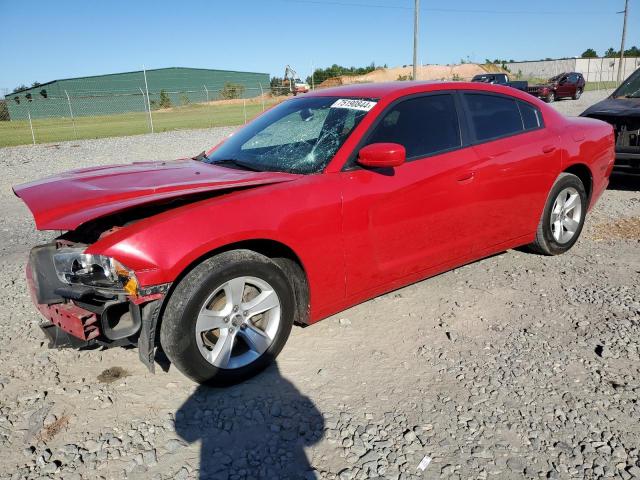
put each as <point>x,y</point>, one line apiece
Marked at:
<point>466,177</point>
<point>548,148</point>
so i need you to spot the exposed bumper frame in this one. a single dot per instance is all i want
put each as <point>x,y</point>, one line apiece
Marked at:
<point>76,321</point>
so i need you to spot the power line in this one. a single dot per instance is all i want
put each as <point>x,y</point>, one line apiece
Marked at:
<point>350,4</point>
<point>446,10</point>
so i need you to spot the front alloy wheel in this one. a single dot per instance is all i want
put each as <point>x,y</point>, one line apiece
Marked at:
<point>228,318</point>
<point>238,322</point>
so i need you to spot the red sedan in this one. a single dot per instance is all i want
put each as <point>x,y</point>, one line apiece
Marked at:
<point>322,202</point>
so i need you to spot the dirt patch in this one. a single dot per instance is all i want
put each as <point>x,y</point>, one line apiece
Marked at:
<point>112,374</point>
<point>621,229</point>
<point>54,428</point>
<point>465,71</point>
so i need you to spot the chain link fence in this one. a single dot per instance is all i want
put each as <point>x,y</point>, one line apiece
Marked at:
<point>46,118</point>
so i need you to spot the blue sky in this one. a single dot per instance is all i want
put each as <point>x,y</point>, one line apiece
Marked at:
<point>45,40</point>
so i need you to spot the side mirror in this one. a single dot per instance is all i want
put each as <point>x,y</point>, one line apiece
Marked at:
<point>382,155</point>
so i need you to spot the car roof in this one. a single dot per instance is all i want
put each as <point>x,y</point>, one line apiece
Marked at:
<point>400,88</point>
<point>369,90</point>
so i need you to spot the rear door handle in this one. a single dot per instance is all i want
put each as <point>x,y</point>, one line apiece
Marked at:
<point>548,148</point>
<point>466,177</point>
<point>492,156</point>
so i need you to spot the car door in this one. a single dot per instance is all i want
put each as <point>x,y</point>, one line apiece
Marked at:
<point>572,84</point>
<point>518,158</point>
<point>564,88</point>
<point>402,221</point>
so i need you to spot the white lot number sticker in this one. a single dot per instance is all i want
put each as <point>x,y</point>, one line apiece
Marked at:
<point>354,104</point>
<point>424,463</point>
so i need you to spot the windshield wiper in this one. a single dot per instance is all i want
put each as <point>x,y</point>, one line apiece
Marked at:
<point>236,163</point>
<point>202,156</point>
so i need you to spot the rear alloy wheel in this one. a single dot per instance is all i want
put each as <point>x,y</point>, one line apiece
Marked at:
<point>551,97</point>
<point>578,93</point>
<point>566,215</point>
<point>563,216</point>
<point>228,318</point>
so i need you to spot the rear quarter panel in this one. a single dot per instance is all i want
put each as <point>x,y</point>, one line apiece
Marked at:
<point>590,142</point>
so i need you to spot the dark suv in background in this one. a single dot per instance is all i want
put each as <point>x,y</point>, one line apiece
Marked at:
<point>622,111</point>
<point>500,79</point>
<point>565,85</point>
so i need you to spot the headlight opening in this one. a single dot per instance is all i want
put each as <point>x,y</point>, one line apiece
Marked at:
<point>75,267</point>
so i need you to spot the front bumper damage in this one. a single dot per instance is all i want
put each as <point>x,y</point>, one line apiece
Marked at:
<point>623,114</point>
<point>539,91</point>
<point>79,316</point>
<point>628,147</point>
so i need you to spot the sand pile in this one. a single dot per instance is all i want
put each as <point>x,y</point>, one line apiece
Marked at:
<point>464,71</point>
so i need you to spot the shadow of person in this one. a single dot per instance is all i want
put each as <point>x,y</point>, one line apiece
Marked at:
<point>257,429</point>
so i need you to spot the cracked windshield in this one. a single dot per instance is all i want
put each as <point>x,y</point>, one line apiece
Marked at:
<point>297,136</point>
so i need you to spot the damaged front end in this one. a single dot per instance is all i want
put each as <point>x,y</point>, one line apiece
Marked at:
<point>622,112</point>
<point>540,91</point>
<point>92,300</point>
<point>627,132</point>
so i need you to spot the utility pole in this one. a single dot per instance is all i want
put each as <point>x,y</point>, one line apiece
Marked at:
<point>313,85</point>
<point>416,14</point>
<point>624,33</point>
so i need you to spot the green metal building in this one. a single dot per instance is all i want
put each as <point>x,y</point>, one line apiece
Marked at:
<point>127,92</point>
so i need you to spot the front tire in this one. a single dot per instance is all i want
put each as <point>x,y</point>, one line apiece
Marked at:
<point>563,216</point>
<point>551,97</point>
<point>228,318</point>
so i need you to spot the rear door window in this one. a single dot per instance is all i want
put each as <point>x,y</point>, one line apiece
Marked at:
<point>531,116</point>
<point>493,116</point>
<point>423,125</point>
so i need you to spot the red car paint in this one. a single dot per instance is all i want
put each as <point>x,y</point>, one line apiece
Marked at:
<point>94,192</point>
<point>357,233</point>
<point>77,321</point>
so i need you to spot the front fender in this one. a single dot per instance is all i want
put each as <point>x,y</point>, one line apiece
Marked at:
<point>305,217</point>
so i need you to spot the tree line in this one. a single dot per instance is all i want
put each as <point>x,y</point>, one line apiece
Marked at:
<point>612,53</point>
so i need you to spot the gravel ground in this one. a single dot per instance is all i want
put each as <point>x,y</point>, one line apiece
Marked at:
<point>516,366</point>
<point>576,107</point>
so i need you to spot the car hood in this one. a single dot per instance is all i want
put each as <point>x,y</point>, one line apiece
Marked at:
<point>615,107</point>
<point>67,200</point>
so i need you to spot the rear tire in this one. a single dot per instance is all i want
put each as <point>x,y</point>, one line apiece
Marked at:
<point>578,93</point>
<point>563,216</point>
<point>228,318</point>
